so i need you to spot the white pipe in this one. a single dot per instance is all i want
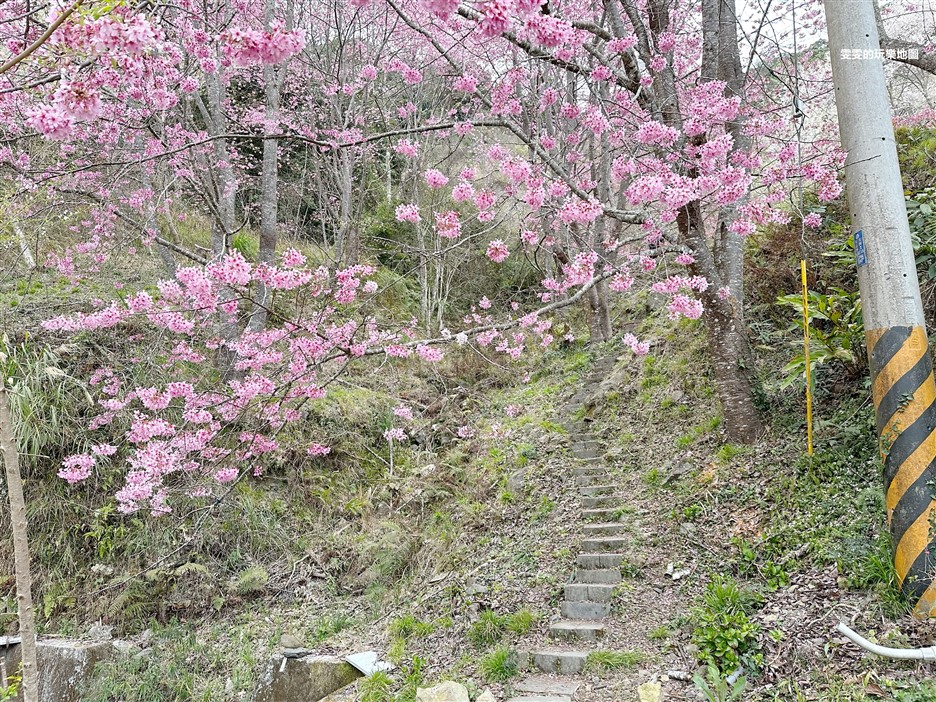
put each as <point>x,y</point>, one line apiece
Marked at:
<point>904,654</point>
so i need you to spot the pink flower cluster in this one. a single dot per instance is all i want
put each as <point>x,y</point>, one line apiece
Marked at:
<point>640,348</point>
<point>497,251</point>
<point>245,46</point>
<point>684,306</point>
<point>408,213</point>
<point>448,224</point>
<point>435,178</point>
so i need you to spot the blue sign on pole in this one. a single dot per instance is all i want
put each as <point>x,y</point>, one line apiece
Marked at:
<point>861,256</point>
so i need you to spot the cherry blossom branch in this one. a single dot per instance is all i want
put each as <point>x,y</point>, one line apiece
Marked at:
<point>26,53</point>
<point>628,216</point>
<point>501,326</point>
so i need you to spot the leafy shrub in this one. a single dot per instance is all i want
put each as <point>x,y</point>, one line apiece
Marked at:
<point>836,333</point>
<point>725,635</point>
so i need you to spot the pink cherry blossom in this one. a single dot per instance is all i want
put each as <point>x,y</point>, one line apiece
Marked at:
<point>497,251</point>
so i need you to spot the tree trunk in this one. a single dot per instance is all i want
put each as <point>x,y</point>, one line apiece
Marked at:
<point>24,602</point>
<point>348,241</point>
<point>599,314</point>
<point>269,193</point>
<point>727,341</point>
<point>24,246</point>
<point>224,223</point>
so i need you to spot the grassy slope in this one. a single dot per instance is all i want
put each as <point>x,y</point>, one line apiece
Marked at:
<point>349,554</point>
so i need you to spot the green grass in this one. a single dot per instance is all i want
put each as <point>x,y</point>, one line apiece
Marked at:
<point>500,665</point>
<point>487,630</point>
<point>606,661</point>
<point>491,627</point>
<point>520,622</point>
<point>408,627</point>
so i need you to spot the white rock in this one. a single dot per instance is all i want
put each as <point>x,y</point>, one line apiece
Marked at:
<point>486,696</point>
<point>448,691</point>
<point>650,692</point>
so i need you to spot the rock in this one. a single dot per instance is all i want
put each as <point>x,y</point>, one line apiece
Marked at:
<point>650,692</point>
<point>448,691</point>
<point>288,640</point>
<point>100,632</point>
<point>486,696</point>
<point>65,665</point>
<point>306,679</point>
<point>124,647</point>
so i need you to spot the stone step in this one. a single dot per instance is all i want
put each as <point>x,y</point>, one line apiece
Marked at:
<point>605,544</point>
<point>585,610</point>
<point>541,698</point>
<point>605,529</point>
<point>597,575</point>
<point>592,490</point>
<point>600,501</point>
<point>585,444</point>
<point>583,437</point>
<point>592,479</point>
<point>577,425</point>
<point>572,630</point>
<point>557,661</point>
<point>602,561</point>
<point>589,592</point>
<point>548,685</point>
<point>590,455</point>
<point>599,515</point>
<point>591,471</point>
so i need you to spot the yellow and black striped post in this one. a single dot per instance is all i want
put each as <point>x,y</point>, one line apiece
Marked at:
<point>898,350</point>
<point>905,409</point>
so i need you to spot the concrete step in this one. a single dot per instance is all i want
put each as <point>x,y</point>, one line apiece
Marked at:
<point>577,425</point>
<point>586,444</point>
<point>592,479</point>
<point>548,685</point>
<point>604,514</point>
<point>572,630</point>
<point>591,471</point>
<point>602,561</point>
<point>597,575</point>
<point>598,501</point>
<point>605,529</point>
<point>605,544</point>
<point>589,454</point>
<point>585,610</point>
<point>557,661</point>
<point>592,490</point>
<point>589,592</point>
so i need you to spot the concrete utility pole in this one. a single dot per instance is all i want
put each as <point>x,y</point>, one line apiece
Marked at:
<point>898,350</point>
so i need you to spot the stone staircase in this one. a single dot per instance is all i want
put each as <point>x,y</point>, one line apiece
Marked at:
<point>588,594</point>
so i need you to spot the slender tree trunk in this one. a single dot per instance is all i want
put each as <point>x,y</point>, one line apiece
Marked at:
<point>20,548</point>
<point>348,242</point>
<point>25,251</point>
<point>224,224</point>
<point>269,194</point>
